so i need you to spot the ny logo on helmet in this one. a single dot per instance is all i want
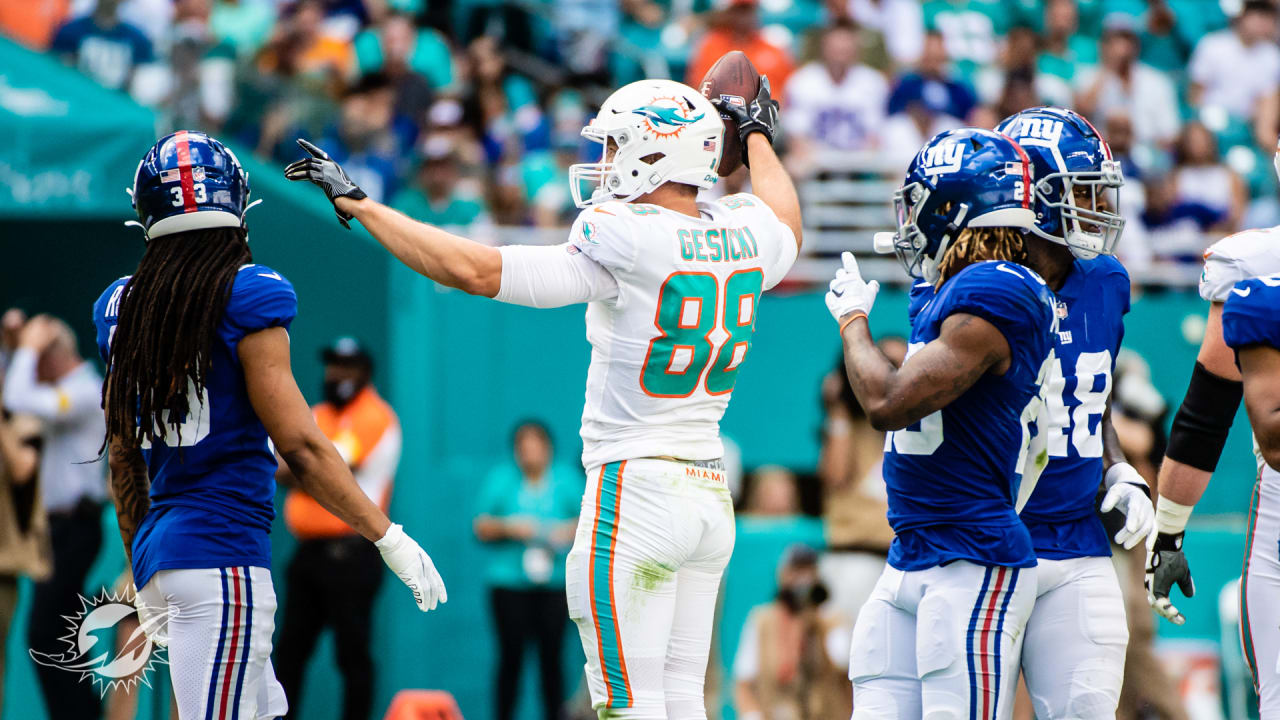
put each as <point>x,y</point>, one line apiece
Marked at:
<point>942,158</point>
<point>1038,131</point>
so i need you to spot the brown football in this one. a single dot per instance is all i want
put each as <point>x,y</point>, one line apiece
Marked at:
<point>733,79</point>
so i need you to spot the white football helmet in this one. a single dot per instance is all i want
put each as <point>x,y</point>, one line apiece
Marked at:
<point>664,132</point>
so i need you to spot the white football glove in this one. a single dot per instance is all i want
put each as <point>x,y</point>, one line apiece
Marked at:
<point>849,293</point>
<point>413,566</point>
<point>1124,491</point>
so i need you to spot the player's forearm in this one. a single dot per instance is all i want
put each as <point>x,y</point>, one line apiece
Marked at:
<point>323,475</point>
<point>1112,453</point>
<point>130,489</point>
<point>771,183</point>
<point>1180,482</point>
<point>442,256</point>
<point>870,375</point>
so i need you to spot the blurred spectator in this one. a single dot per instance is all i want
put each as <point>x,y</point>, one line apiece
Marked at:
<point>1167,37</point>
<point>905,132</point>
<point>900,22</point>
<point>835,102</point>
<point>527,518</point>
<point>970,29</point>
<point>24,536</point>
<point>1018,63</point>
<point>1121,82</point>
<point>436,195</point>
<point>103,46</point>
<point>1234,69</point>
<point>932,82</point>
<point>772,492</point>
<point>1177,227</point>
<point>1202,180</point>
<point>737,27</point>
<point>1134,248</point>
<point>334,575</point>
<point>794,651</point>
<point>300,46</point>
<point>370,139</point>
<point>418,61</point>
<point>33,22</point>
<point>47,379</point>
<point>243,25</point>
<point>200,84</point>
<point>1064,49</point>
<point>854,502</point>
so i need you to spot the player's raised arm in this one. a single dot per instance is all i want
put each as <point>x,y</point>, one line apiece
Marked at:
<point>757,125</point>
<point>320,471</point>
<point>442,256</point>
<point>967,347</point>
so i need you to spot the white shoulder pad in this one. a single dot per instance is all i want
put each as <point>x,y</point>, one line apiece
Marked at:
<point>1237,257</point>
<point>777,243</point>
<point>602,233</point>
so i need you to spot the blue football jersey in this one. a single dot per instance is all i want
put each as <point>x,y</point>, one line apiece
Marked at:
<point>953,477</point>
<point>1252,313</point>
<point>212,483</point>
<point>1090,308</point>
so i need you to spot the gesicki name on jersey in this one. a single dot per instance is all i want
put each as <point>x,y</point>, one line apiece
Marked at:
<point>717,244</point>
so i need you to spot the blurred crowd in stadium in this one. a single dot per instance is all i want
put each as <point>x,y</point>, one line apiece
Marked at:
<point>466,112</point>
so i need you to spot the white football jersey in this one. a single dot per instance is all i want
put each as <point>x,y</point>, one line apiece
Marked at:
<point>665,353</point>
<point>1247,254</point>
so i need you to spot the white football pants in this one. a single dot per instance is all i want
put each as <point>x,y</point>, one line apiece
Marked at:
<point>941,643</point>
<point>219,639</point>
<point>1260,594</point>
<point>1073,655</point>
<point>654,537</point>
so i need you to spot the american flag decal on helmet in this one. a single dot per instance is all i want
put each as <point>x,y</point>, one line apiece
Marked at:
<point>709,145</point>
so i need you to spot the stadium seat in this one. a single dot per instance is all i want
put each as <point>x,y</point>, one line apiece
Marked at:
<point>423,705</point>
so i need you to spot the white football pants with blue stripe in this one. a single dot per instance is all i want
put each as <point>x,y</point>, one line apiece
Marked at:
<point>941,643</point>
<point>1073,655</point>
<point>1260,594</point>
<point>219,639</point>
<point>654,537</point>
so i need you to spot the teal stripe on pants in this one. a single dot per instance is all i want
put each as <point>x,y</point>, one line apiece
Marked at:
<point>612,664</point>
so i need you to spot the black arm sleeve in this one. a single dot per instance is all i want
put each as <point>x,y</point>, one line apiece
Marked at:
<point>1200,428</point>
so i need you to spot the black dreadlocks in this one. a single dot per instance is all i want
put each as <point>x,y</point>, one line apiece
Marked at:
<point>169,315</point>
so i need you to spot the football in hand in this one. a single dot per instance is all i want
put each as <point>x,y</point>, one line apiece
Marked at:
<point>733,79</point>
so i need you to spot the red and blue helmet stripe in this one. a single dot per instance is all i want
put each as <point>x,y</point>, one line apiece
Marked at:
<point>189,181</point>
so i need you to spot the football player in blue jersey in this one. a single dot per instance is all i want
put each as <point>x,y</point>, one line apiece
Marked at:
<point>1074,652</point>
<point>1251,328</point>
<point>940,636</point>
<point>198,385</point>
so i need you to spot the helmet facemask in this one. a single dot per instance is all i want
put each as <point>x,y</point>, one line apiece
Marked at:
<point>911,244</point>
<point>1084,202</point>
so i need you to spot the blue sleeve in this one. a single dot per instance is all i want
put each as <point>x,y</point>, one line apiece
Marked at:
<point>261,298</point>
<point>102,323</point>
<point>920,295</point>
<point>1008,296</point>
<point>1251,315</point>
<point>1116,295</point>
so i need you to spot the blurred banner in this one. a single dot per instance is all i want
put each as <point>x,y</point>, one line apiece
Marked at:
<point>70,146</point>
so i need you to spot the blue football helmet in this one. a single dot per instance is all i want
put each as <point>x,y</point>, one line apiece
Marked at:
<point>189,181</point>
<point>1074,172</point>
<point>960,179</point>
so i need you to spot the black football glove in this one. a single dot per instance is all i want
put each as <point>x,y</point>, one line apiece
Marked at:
<point>1166,565</point>
<point>329,175</point>
<point>759,116</point>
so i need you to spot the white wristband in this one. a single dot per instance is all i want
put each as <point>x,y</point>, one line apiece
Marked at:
<point>1171,517</point>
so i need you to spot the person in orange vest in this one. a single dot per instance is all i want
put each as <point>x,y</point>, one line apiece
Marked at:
<point>334,575</point>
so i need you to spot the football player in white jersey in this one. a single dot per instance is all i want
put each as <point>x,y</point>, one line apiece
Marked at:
<point>1195,443</point>
<point>672,285</point>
